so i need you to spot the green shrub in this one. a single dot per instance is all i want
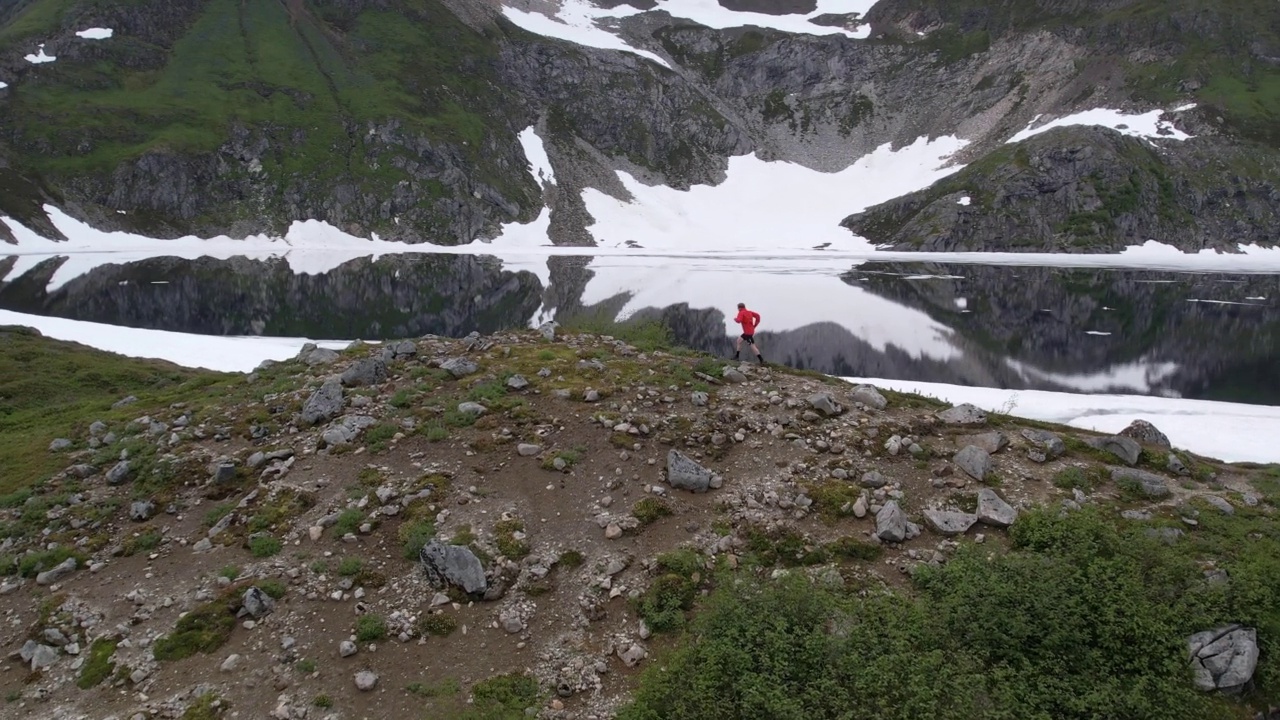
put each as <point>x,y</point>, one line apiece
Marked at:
<point>350,566</point>
<point>650,509</point>
<point>265,546</point>
<point>305,666</point>
<point>415,535</point>
<point>438,624</point>
<point>348,522</point>
<point>370,628</point>
<point>97,666</point>
<point>272,587</point>
<point>571,559</point>
<point>504,696</point>
<point>203,630</point>
<point>206,707</point>
<point>230,572</point>
<point>33,564</point>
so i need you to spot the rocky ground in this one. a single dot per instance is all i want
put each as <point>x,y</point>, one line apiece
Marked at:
<point>437,527</point>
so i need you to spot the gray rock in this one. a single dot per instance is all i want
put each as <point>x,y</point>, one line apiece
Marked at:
<point>312,355</point>
<point>366,680</point>
<point>59,445</point>
<point>82,470</point>
<point>224,472</point>
<point>1175,465</point>
<point>1048,443</point>
<point>98,428</point>
<point>1149,484</point>
<point>28,650</point>
<point>1127,449</point>
<point>511,622</point>
<point>59,572</point>
<point>403,349</point>
<point>591,364</point>
<point>453,565</point>
<point>256,460</point>
<point>324,404</point>
<point>459,367</point>
<point>873,480</point>
<point>123,402</point>
<point>993,510</point>
<point>369,371</point>
<point>43,656</point>
<point>548,330</point>
<point>1135,515</point>
<point>517,382</point>
<point>992,442</point>
<point>231,664</point>
<point>119,473</point>
<point>965,414</point>
<point>141,510</point>
<point>1221,504</point>
<point>528,449</point>
<point>1166,535</point>
<point>346,430</point>
<point>54,637</point>
<point>699,398</point>
<point>346,648</point>
<point>948,522</point>
<point>826,404</point>
<point>1146,433</point>
<point>870,396</point>
<point>591,396</point>
<point>632,655</point>
<point>974,461</point>
<point>258,604</point>
<point>733,375</point>
<point>685,474</point>
<point>472,408</point>
<point>891,523</point>
<point>1224,658</point>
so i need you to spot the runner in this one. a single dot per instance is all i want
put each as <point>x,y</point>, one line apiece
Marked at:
<point>749,320</point>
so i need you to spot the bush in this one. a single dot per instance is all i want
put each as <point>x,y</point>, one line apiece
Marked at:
<point>350,566</point>
<point>98,665</point>
<point>504,696</point>
<point>415,535</point>
<point>649,510</point>
<point>204,630</point>
<point>265,546</point>
<point>438,624</point>
<point>272,587</point>
<point>370,628</point>
<point>35,563</point>
<point>348,522</point>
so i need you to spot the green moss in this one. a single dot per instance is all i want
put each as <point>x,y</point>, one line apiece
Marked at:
<point>206,707</point>
<point>650,509</point>
<point>348,522</point>
<point>371,628</point>
<point>504,537</point>
<point>202,630</point>
<point>350,566</point>
<point>505,696</point>
<point>414,535</point>
<point>97,665</point>
<point>265,546</point>
<point>437,624</point>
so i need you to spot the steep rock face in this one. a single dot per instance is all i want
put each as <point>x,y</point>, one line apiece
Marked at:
<point>1089,190</point>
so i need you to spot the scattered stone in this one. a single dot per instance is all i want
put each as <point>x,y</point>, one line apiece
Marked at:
<point>459,367</point>
<point>685,474</point>
<point>965,414</point>
<point>1223,658</point>
<point>891,523</point>
<point>1136,515</point>
<point>948,522</point>
<point>1220,503</point>
<point>870,396</point>
<point>256,460</point>
<point>511,622</point>
<point>346,649</point>
<point>733,375</point>
<point>873,480</point>
<point>370,371</point>
<point>366,680</point>
<point>231,664</point>
<point>119,473</point>
<point>974,461</point>
<point>58,573</point>
<point>141,510</point>
<point>1146,433</point>
<point>312,355</point>
<point>1175,465</point>
<point>124,402</point>
<point>59,445</point>
<point>528,450</point>
<point>346,430</point>
<point>257,604</point>
<point>991,442</point>
<point>993,510</point>
<point>826,404</point>
<point>613,531</point>
<point>224,472</point>
<point>1050,445</point>
<point>1149,484</point>
<point>43,656</point>
<point>632,655</point>
<point>548,330</point>
<point>474,409</point>
<point>591,395</point>
<point>1127,449</point>
<point>517,382</point>
<point>97,428</point>
<point>453,564</point>
<point>324,404</point>
<point>860,507</point>
<point>699,398</point>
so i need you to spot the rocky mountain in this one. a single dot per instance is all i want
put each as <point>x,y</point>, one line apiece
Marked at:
<point>403,117</point>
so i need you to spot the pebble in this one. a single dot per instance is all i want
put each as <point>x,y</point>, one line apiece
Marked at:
<point>366,680</point>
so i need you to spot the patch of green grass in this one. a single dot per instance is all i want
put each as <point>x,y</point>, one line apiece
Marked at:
<point>97,665</point>
<point>1085,479</point>
<point>33,564</point>
<point>435,432</point>
<point>644,335</point>
<point>664,604</point>
<point>348,522</point>
<point>215,515</point>
<point>322,701</point>
<point>446,687</point>
<point>265,546</point>
<point>206,707</point>
<point>350,566</point>
<point>437,624</point>
<point>414,535</point>
<point>230,572</point>
<point>504,696</point>
<point>570,458</point>
<point>142,543</point>
<point>305,666</point>
<point>833,499</point>
<point>272,587</point>
<point>650,509</point>
<point>504,537</point>
<point>371,628</point>
<point>378,436</point>
<point>202,630</point>
<point>402,399</point>
<point>570,559</point>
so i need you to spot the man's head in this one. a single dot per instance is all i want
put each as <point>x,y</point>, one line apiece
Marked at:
<point>742,306</point>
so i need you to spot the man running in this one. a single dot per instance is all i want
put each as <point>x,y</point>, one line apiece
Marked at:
<point>749,320</point>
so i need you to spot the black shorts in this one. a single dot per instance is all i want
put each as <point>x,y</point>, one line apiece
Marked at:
<point>751,339</point>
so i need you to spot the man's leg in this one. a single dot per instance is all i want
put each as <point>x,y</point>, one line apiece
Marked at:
<point>737,347</point>
<point>756,348</point>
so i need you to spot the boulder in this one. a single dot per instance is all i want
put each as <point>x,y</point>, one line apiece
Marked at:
<point>686,474</point>
<point>873,480</point>
<point>459,367</point>
<point>57,573</point>
<point>346,430</point>
<point>1149,484</point>
<point>870,396</point>
<point>369,371</point>
<point>965,414</point>
<point>548,330</point>
<point>324,403</point>
<point>1050,445</point>
<point>257,604</point>
<point>141,510</point>
<point>974,461</point>
<point>991,442</point>
<point>1127,449</point>
<point>1174,464</point>
<point>528,449</point>
<point>403,349</point>
<point>453,565</point>
<point>891,523</point>
<point>733,375</point>
<point>1146,433</point>
<point>312,355</point>
<point>699,398</point>
<point>993,510</point>
<point>59,445</point>
<point>474,409</point>
<point>43,656</point>
<point>517,382</point>
<point>949,522</point>
<point>366,680</point>
<point>825,403</point>
<point>119,473</point>
<point>1223,658</point>
<point>1221,504</point>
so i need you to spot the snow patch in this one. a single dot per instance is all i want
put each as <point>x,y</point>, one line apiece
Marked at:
<point>539,163</point>
<point>96,33</point>
<point>40,57</point>
<point>711,14</point>
<point>1232,432</point>
<point>576,21</point>
<point>3,85</point>
<point>964,200</point>
<point>225,354</point>
<point>1096,332</point>
<point>1148,126</point>
<point>1137,377</point>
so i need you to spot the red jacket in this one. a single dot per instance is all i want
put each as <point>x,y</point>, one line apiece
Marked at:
<point>748,319</point>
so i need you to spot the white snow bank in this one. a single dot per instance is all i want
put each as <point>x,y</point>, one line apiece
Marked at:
<point>226,354</point>
<point>1136,377</point>
<point>1232,432</point>
<point>576,22</point>
<point>96,33</point>
<point>767,205</point>
<point>964,200</point>
<point>1148,125</point>
<point>41,57</point>
<point>540,165</point>
<point>711,14</point>
<point>3,85</point>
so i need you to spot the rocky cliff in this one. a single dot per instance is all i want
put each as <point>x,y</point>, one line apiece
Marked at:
<point>401,118</point>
